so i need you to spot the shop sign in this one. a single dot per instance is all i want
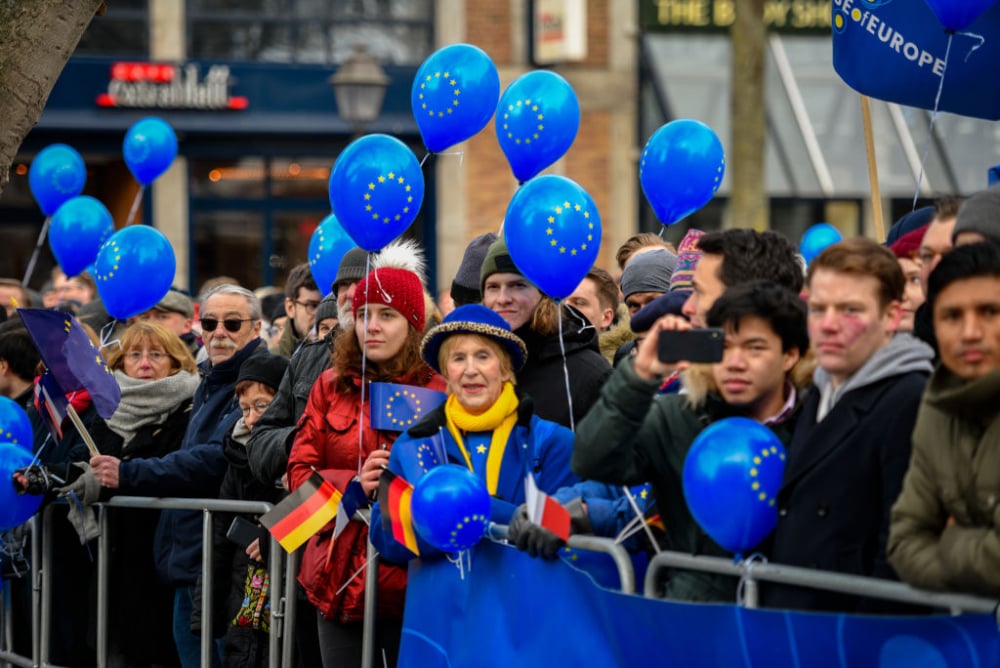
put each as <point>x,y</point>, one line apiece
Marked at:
<point>145,85</point>
<point>708,15</point>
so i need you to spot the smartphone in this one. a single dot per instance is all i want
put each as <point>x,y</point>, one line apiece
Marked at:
<point>243,532</point>
<point>693,345</point>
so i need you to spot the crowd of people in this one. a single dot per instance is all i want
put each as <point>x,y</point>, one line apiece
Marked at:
<point>877,366</point>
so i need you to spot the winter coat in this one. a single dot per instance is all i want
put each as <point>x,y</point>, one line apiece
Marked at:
<point>843,474</point>
<point>327,439</point>
<point>632,436</point>
<point>140,607</point>
<point>243,646</point>
<point>954,475</point>
<point>274,432</point>
<point>535,445</point>
<point>613,339</point>
<point>542,376</point>
<point>194,470</point>
<point>288,343</point>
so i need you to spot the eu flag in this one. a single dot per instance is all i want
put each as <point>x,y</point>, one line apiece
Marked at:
<point>397,407</point>
<point>72,358</point>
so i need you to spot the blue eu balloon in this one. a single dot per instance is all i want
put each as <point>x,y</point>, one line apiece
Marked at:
<point>681,168</point>
<point>134,270</point>
<point>536,122</point>
<point>731,479</point>
<point>57,174</point>
<point>959,14</point>
<point>454,95</point>
<point>553,232</point>
<point>376,189</point>
<point>816,238</point>
<point>450,508</point>
<point>15,509</point>
<point>14,424</point>
<point>78,230</point>
<point>149,149</point>
<point>327,247</point>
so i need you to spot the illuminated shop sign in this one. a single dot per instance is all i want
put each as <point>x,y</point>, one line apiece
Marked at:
<point>140,85</point>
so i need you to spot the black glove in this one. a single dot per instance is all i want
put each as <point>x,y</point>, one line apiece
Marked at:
<point>539,541</point>
<point>32,480</point>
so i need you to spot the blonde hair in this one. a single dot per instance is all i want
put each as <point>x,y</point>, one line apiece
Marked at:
<point>506,364</point>
<point>145,331</point>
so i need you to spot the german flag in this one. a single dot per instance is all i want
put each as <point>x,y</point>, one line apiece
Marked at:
<point>394,495</point>
<point>303,512</point>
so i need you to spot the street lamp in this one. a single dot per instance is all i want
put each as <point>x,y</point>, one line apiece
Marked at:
<point>359,88</point>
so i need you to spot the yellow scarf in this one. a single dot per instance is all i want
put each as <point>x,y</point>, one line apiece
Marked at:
<point>499,418</point>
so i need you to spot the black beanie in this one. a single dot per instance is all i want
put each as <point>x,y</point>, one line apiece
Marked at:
<point>264,368</point>
<point>465,288</point>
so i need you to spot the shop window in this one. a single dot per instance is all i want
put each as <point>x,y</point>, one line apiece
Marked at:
<point>398,32</point>
<point>122,31</point>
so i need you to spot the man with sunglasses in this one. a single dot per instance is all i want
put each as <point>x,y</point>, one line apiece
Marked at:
<point>301,301</point>
<point>230,322</point>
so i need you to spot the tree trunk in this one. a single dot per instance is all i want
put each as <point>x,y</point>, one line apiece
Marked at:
<point>748,206</point>
<point>36,39</point>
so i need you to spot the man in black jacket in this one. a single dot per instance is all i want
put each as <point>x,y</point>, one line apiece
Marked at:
<point>231,321</point>
<point>851,446</point>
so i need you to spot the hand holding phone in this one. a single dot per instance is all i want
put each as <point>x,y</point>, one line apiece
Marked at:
<point>243,532</point>
<point>693,345</point>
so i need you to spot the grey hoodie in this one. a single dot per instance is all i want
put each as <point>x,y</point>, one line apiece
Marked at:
<point>902,354</point>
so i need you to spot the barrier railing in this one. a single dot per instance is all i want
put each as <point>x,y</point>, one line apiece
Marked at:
<point>626,574</point>
<point>753,571</point>
<point>282,576</point>
<point>283,571</point>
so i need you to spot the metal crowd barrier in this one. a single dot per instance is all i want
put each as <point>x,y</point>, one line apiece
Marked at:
<point>282,576</point>
<point>753,571</point>
<point>283,605</point>
<point>626,574</point>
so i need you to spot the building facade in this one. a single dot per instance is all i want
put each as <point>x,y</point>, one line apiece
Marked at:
<point>245,83</point>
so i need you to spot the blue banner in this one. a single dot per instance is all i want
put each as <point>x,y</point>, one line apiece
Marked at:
<point>397,407</point>
<point>895,50</point>
<point>509,609</point>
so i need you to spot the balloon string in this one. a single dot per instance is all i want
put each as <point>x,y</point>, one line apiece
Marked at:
<point>106,333</point>
<point>364,359</point>
<point>937,101</point>
<point>562,349</point>
<point>424,159</point>
<point>135,205</point>
<point>38,249</point>
<point>747,568</point>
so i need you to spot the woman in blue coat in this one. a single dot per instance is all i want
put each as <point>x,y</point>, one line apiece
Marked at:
<point>483,425</point>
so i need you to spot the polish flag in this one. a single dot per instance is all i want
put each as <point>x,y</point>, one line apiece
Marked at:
<point>545,511</point>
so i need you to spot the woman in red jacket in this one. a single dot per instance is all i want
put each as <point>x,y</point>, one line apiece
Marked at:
<point>389,317</point>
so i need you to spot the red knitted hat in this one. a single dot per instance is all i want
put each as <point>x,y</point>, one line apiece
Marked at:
<point>399,289</point>
<point>908,245</point>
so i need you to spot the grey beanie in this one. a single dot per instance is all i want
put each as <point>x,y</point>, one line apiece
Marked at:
<point>352,268</point>
<point>648,272</point>
<point>327,308</point>
<point>465,288</point>
<point>980,213</point>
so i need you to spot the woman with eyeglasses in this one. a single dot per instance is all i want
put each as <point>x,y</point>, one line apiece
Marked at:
<point>336,438</point>
<point>158,378</point>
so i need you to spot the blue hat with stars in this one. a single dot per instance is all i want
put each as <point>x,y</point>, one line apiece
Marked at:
<point>481,321</point>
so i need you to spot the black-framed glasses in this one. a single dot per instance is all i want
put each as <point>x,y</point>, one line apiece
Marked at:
<point>310,307</point>
<point>231,324</point>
